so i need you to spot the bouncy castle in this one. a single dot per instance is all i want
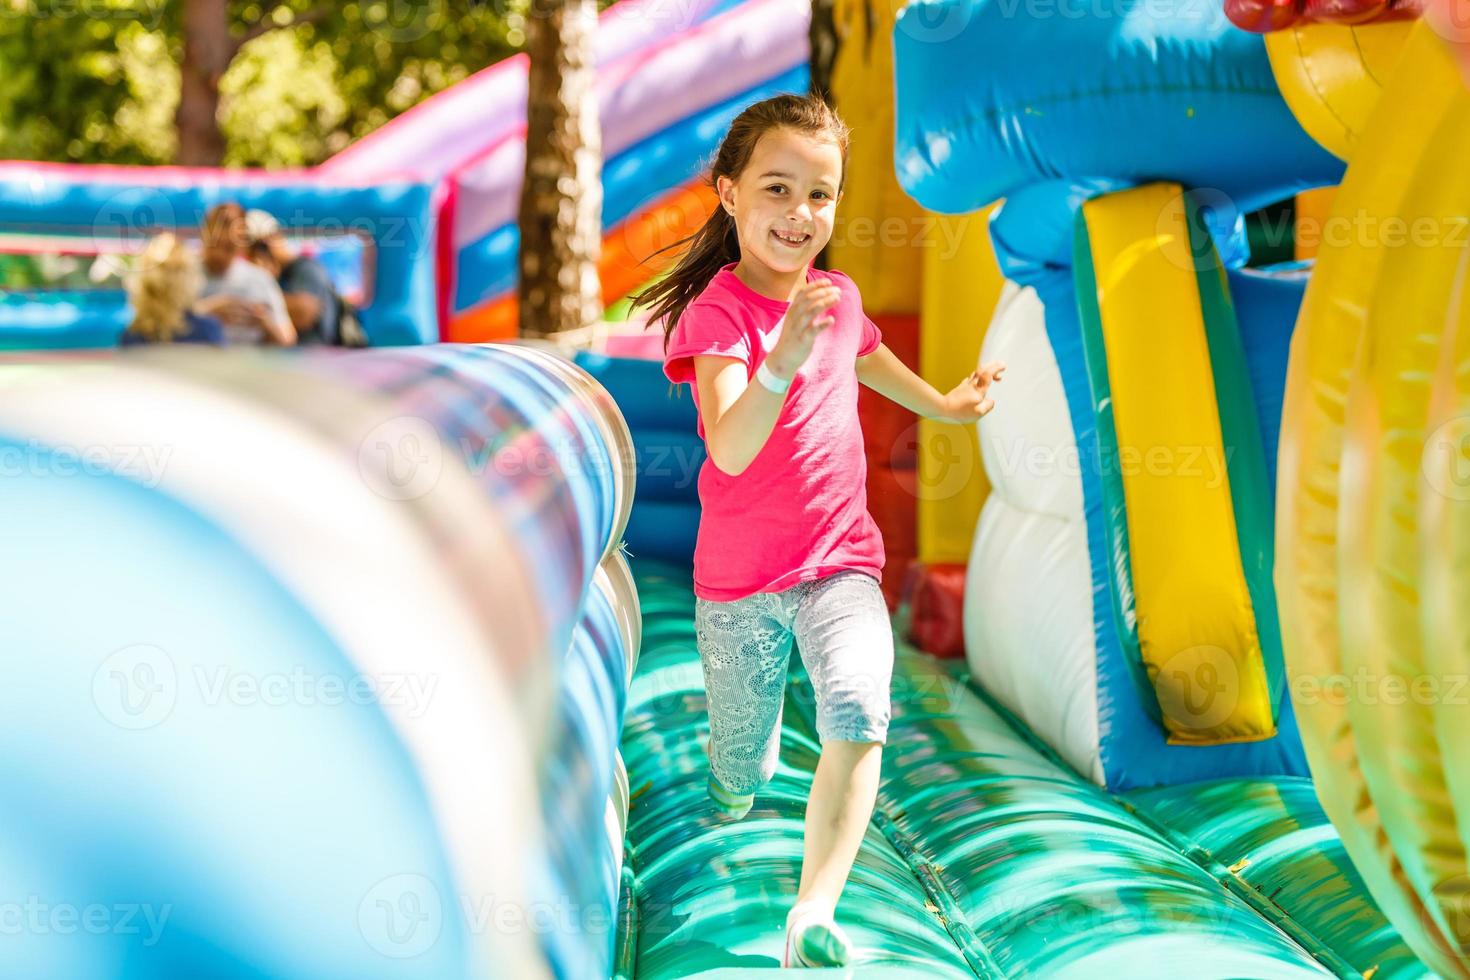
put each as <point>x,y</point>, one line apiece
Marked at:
<point>382,663</point>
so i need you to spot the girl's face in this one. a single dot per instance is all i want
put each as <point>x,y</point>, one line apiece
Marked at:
<point>785,200</point>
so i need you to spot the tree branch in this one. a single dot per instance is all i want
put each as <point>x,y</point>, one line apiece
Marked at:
<point>266,24</point>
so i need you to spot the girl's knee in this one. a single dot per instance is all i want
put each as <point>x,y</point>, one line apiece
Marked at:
<point>854,708</point>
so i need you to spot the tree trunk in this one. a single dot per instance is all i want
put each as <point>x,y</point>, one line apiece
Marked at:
<point>824,42</point>
<point>208,50</point>
<point>561,199</point>
<point>823,45</point>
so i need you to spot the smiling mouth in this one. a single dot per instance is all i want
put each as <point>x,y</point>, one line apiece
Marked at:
<point>790,238</point>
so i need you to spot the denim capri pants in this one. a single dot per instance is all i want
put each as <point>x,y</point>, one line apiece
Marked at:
<point>840,624</point>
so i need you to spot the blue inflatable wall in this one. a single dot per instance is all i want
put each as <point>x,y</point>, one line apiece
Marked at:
<point>88,204</point>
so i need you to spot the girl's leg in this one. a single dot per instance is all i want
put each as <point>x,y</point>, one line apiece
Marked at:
<point>743,650</point>
<point>846,640</point>
<point>837,815</point>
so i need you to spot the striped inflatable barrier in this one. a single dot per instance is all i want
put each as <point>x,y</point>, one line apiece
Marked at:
<point>371,600</point>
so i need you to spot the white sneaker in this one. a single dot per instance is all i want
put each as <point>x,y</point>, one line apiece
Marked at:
<point>813,939</point>
<point>734,806</point>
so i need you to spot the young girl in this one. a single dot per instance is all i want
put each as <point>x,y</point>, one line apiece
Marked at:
<point>786,549</point>
<point>164,289</point>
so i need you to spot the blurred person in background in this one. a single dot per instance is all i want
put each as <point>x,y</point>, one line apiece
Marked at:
<point>311,300</point>
<point>244,296</point>
<point>163,287</point>
<point>318,311</point>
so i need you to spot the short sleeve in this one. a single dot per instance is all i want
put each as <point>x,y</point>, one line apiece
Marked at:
<point>260,287</point>
<point>275,300</point>
<point>872,337</point>
<point>306,275</point>
<point>703,329</point>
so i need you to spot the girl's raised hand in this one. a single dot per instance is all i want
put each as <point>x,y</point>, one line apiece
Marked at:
<point>806,318</point>
<point>970,399</point>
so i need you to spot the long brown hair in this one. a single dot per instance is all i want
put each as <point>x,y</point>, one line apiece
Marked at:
<point>716,244</point>
<point>163,285</point>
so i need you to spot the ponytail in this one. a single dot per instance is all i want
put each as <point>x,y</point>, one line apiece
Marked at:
<point>711,248</point>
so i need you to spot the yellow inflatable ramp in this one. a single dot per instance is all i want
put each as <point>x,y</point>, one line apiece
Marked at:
<point>1183,472</point>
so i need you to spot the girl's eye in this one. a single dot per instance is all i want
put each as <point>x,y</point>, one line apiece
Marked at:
<point>777,189</point>
<point>820,195</point>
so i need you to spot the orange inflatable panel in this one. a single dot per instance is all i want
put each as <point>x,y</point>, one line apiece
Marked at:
<point>627,262</point>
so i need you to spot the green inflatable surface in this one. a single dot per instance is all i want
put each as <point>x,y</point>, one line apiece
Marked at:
<point>985,857</point>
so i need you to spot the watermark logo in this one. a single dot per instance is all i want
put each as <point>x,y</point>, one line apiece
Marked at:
<point>149,13</point>
<point>401,916</point>
<point>133,214</point>
<point>143,464</point>
<point>136,687</point>
<point>402,458</point>
<point>37,917</point>
<point>948,461</point>
<point>1198,687</point>
<point>1446,459</point>
<point>403,21</point>
<point>934,23</point>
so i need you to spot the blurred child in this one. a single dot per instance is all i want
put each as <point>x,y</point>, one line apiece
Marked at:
<point>163,288</point>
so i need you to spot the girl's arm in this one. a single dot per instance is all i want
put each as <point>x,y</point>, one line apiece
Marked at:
<point>738,416</point>
<point>888,376</point>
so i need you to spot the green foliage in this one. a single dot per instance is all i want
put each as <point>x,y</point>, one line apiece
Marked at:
<point>67,76</point>
<point>97,81</point>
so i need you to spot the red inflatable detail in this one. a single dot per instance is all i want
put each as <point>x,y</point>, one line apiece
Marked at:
<point>890,433</point>
<point>892,507</point>
<point>1265,16</point>
<point>937,610</point>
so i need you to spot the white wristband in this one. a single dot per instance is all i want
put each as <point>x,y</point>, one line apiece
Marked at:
<point>769,381</point>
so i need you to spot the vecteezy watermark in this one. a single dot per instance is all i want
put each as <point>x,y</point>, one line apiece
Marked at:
<point>943,233</point>
<point>38,917</point>
<point>559,915</point>
<point>1368,230</point>
<point>402,458</point>
<point>403,21</point>
<point>1209,464</point>
<point>674,15</point>
<point>386,232</point>
<point>948,460</point>
<point>1093,10</point>
<point>1371,688</point>
<point>298,686</point>
<point>1039,915</point>
<point>140,686</point>
<point>149,13</point>
<point>403,915</point>
<point>1356,229</point>
<point>1445,914</point>
<point>936,23</point>
<point>1446,459</point>
<point>1198,687</point>
<point>136,687</point>
<point>140,463</point>
<point>132,215</point>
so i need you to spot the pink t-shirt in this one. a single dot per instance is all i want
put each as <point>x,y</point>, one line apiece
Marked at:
<point>799,511</point>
